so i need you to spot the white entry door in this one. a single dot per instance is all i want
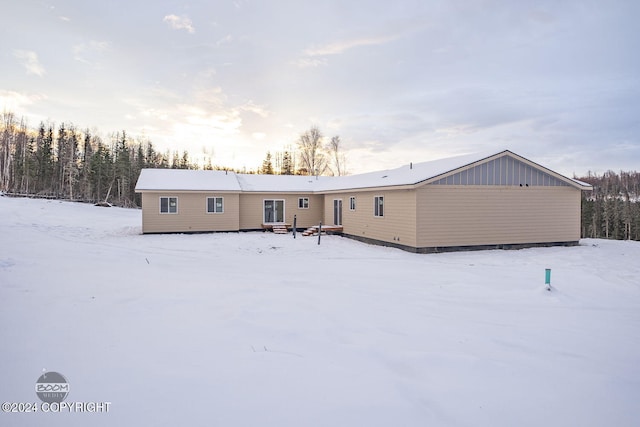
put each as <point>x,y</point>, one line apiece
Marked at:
<point>337,212</point>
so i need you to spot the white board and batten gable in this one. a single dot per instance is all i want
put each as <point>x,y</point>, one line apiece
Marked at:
<point>506,168</point>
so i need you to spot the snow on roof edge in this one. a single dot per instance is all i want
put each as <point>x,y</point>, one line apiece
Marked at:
<point>409,174</point>
<point>186,180</point>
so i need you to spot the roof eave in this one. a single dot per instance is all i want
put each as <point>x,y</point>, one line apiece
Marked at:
<point>175,190</point>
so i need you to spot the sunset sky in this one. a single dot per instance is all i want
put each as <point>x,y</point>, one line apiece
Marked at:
<point>405,81</point>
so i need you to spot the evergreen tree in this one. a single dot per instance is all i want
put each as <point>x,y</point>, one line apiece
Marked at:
<point>60,160</point>
<point>100,172</point>
<point>25,165</point>
<point>122,171</point>
<point>267,166</point>
<point>153,159</point>
<point>184,161</point>
<point>175,160</point>
<point>287,164</point>
<point>611,209</point>
<point>84,169</point>
<point>44,159</point>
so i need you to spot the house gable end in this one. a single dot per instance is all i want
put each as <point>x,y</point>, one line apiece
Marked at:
<point>504,169</point>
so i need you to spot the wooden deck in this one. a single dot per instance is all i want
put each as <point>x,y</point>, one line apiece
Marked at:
<point>283,228</point>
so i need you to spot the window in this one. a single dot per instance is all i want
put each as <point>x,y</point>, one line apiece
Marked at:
<point>215,205</point>
<point>352,203</point>
<point>169,205</point>
<point>303,203</point>
<point>378,206</point>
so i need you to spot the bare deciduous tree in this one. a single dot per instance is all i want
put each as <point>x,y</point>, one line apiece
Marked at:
<point>312,157</point>
<point>7,141</point>
<point>338,158</point>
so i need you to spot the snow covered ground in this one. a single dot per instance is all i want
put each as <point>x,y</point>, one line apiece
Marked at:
<point>246,329</point>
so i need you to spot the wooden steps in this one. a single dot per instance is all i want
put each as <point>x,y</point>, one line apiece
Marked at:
<point>326,229</point>
<point>310,231</point>
<point>279,229</point>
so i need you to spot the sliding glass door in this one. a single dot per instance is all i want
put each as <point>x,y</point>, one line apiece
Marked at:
<point>273,211</point>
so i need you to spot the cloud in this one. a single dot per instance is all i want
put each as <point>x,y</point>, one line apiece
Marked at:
<point>16,101</point>
<point>208,73</point>
<point>179,23</point>
<point>225,40</point>
<point>344,45</point>
<point>155,114</point>
<point>222,122</point>
<point>316,56</point>
<point>256,109</point>
<point>310,62</point>
<point>200,119</point>
<point>82,51</point>
<point>30,61</point>
<point>203,117</point>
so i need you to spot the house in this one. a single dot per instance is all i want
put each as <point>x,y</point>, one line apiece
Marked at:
<point>500,200</point>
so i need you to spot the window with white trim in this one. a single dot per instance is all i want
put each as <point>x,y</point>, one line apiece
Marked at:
<point>215,205</point>
<point>168,205</point>
<point>303,203</point>
<point>352,203</point>
<point>378,206</point>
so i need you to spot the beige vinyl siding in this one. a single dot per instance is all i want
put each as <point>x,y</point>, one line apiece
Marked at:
<point>486,215</point>
<point>252,209</point>
<point>192,213</point>
<point>398,225</point>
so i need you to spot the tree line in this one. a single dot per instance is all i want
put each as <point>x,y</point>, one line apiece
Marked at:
<point>313,157</point>
<point>65,162</point>
<point>612,209</point>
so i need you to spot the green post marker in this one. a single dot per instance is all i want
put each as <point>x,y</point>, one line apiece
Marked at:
<point>547,278</point>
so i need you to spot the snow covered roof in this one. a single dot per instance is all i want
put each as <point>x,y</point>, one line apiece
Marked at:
<point>187,180</point>
<point>419,172</point>
<point>404,175</point>
<point>197,180</point>
<point>281,183</point>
